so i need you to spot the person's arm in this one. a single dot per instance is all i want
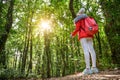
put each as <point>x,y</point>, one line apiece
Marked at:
<point>77,28</point>
<point>77,24</point>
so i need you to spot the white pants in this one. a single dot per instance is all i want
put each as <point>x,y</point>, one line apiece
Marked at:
<point>87,45</point>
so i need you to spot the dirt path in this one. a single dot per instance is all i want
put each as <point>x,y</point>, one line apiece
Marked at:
<point>103,75</point>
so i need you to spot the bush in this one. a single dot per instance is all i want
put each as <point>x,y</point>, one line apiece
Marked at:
<point>8,73</point>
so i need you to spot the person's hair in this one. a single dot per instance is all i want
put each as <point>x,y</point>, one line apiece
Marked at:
<point>81,11</point>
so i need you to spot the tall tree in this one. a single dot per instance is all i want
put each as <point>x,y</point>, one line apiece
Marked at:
<point>4,36</point>
<point>72,8</point>
<point>112,27</point>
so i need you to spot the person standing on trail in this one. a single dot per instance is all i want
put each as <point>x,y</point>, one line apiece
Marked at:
<point>86,42</point>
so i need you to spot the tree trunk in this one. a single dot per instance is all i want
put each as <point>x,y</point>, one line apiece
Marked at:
<point>3,38</point>
<point>112,28</point>
<point>25,51</point>
<point>47,52</point>
<point>31,51</point>
<point>72,9</point>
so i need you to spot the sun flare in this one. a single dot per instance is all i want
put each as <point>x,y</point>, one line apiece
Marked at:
<point>45,25</point>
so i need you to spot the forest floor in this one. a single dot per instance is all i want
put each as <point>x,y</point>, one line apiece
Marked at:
<point>102,75</point>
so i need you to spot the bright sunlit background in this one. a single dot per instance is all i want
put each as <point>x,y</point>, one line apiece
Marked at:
<point>45,25</point>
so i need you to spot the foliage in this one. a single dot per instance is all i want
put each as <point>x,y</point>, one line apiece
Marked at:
<point>111,12</point>
<point>8,73</point>
<point>34,51</point>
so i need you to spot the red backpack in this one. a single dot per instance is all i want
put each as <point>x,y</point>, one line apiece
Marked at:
<point>90,27</point>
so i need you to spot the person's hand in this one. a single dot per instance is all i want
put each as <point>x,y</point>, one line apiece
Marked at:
<point>71,36</point>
